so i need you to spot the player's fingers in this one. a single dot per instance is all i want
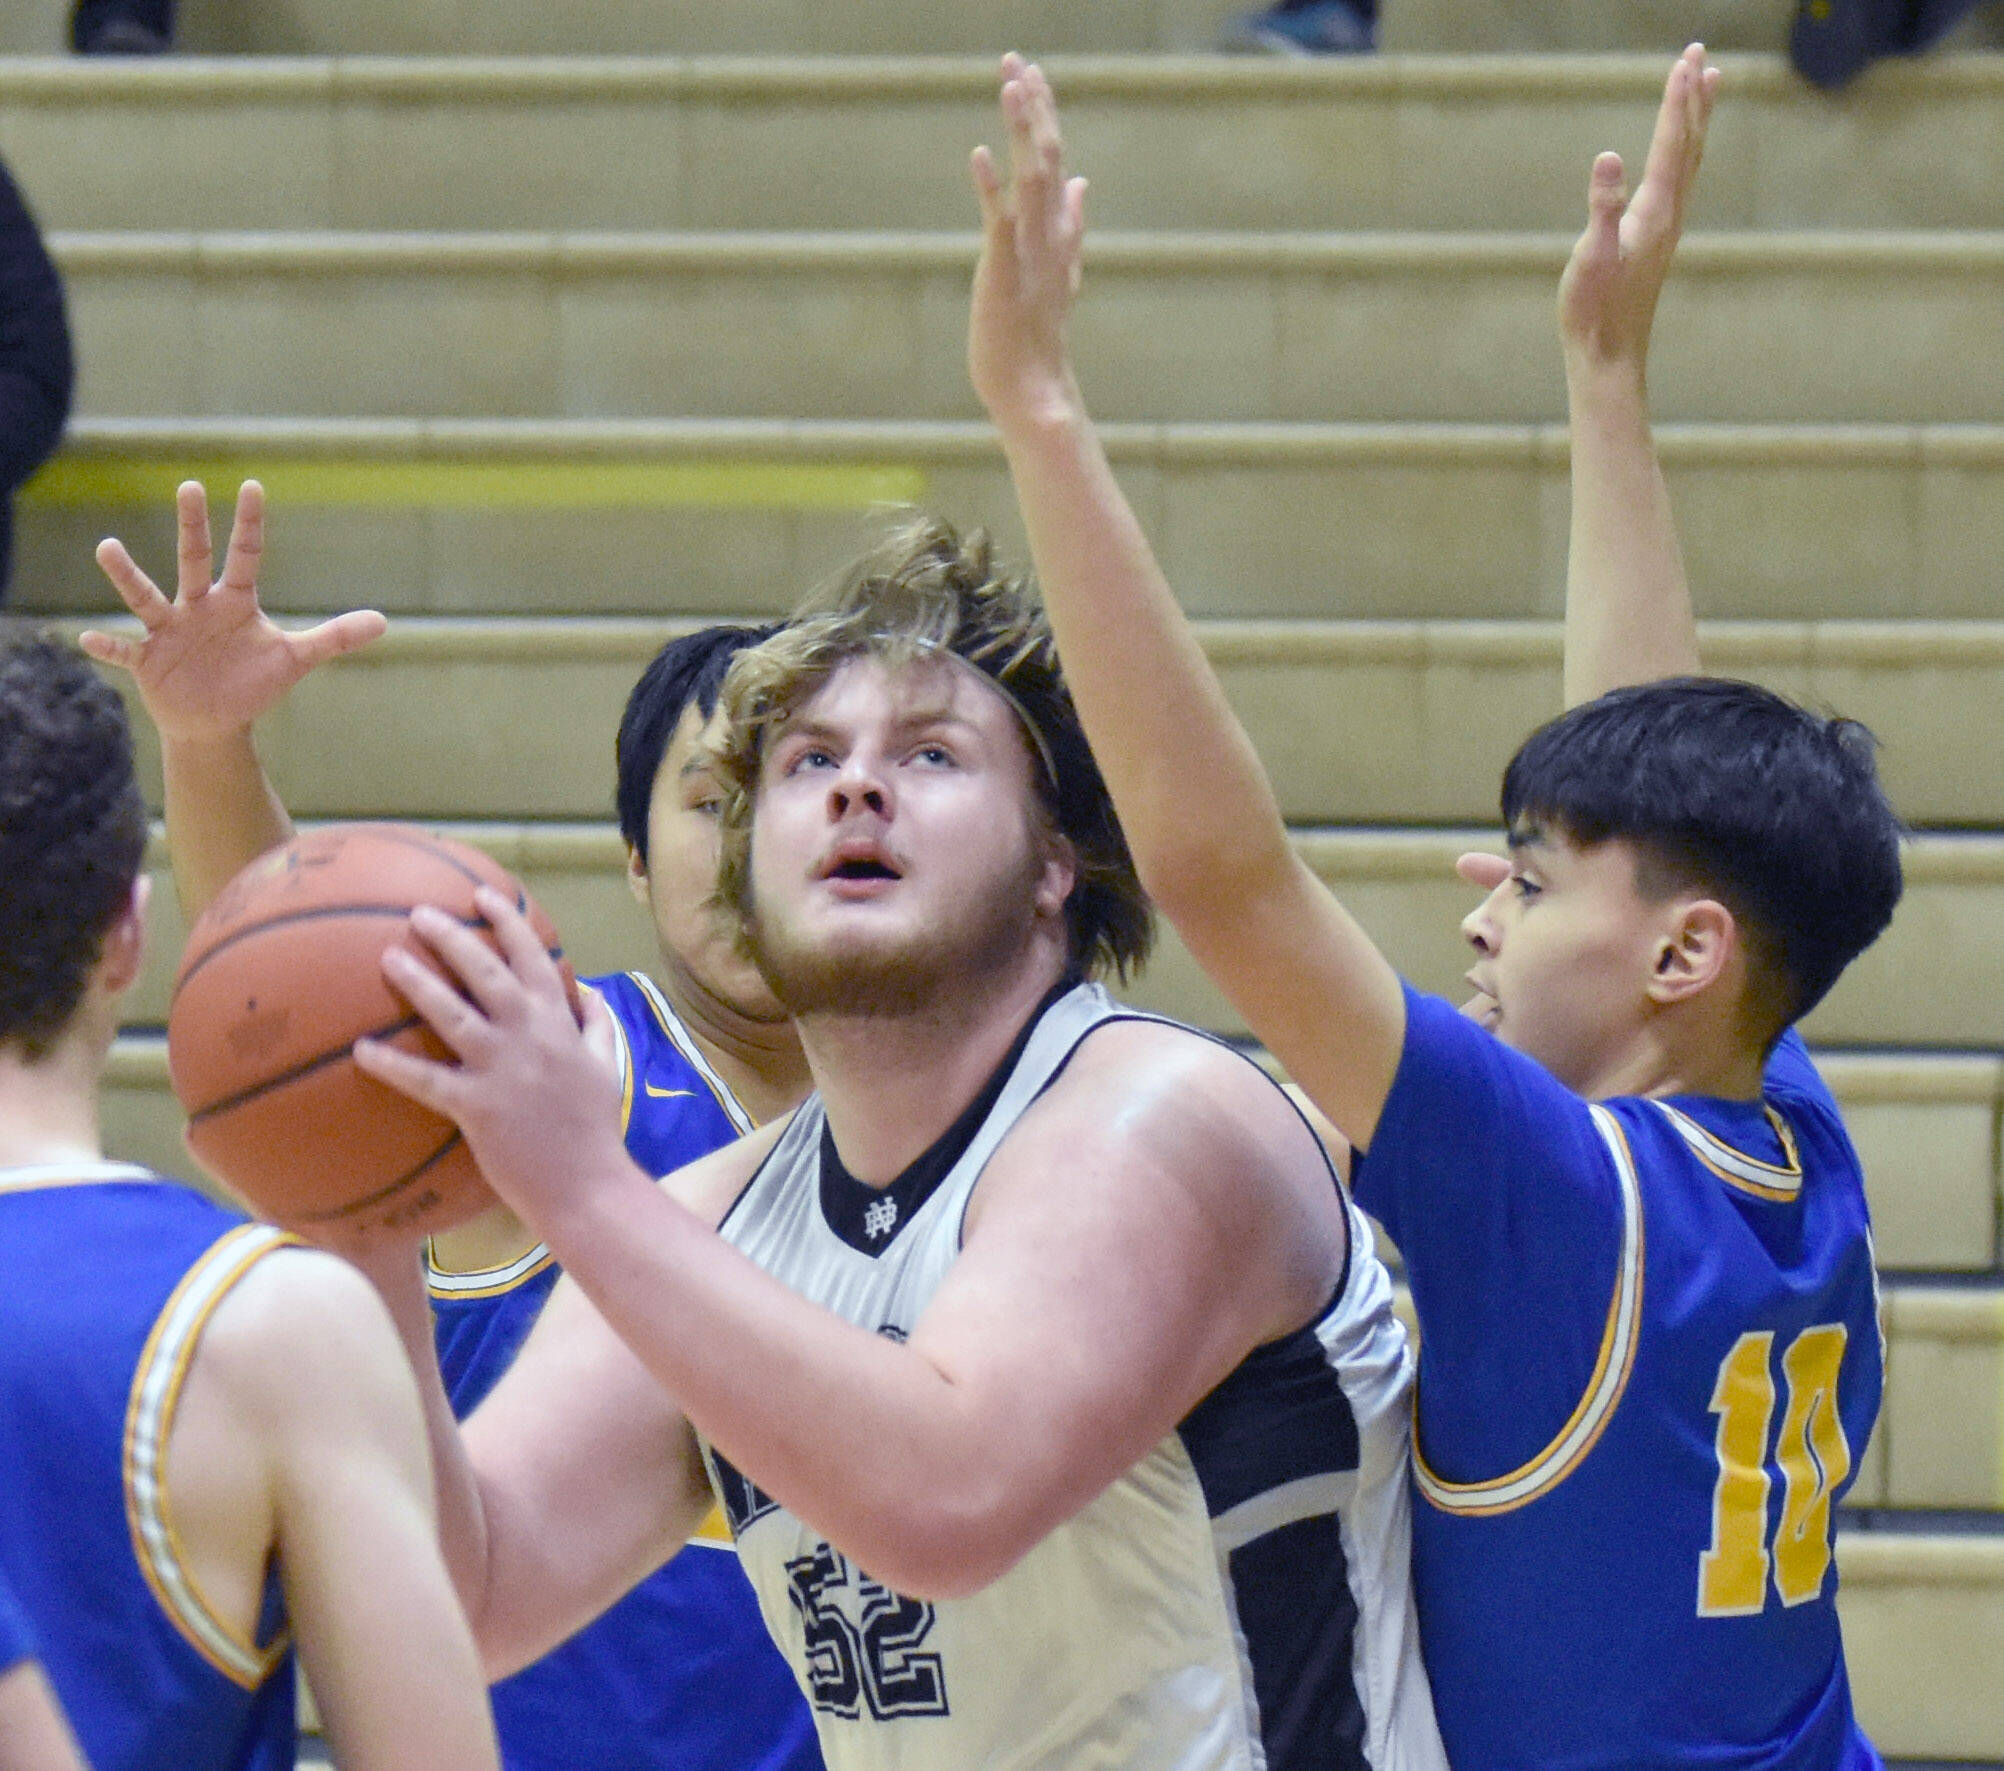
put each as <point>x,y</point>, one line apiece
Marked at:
<point>336,637</point>
<point>1482,870</point>
<point>246,549</point>
<point>1045,136</point>
<point>193,552</point>
<point>427,1082</point>
<point>1607,202</point>
<point>1026,171</point>
<point>117,650</point>
<point>521,946</point>
<point>443,1009</point>
<point>137,591</point>
<point>988,190</point>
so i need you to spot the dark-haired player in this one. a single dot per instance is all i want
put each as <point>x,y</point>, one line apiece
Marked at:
<point>33,1734</point>
<point>1635,1228</point>
<point>210,1441</point>
<point>679,1675</point>
<point>1050,1384</point>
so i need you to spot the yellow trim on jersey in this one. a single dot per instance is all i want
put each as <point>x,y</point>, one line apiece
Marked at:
<point>1764,1180</point>
<point>1604,1389</point>
<point>685,1043</point>
<point>149,1424</point>
<point>484,1282</point>
<point>713,1531</point>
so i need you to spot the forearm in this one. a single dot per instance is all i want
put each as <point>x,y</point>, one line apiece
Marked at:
<point>1628,604</point>
<point>222,813</point>
<point>864,1439</point>
<point>462,1514</point>
<point>1194,800</point>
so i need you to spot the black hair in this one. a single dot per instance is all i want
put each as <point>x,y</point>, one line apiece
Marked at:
<point>72,833</point>
<point>686,672</point>
<point>1770,808</point>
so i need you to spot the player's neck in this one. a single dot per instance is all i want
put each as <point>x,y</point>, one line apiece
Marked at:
<point>760,1060</point>
<point>48,1110</point>
<point>1670,1059</point>
<point>892,1085</point>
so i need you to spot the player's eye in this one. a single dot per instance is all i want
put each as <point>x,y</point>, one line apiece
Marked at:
<point>1526,887</point>
<point>814,756</point>
<point>936,755</point>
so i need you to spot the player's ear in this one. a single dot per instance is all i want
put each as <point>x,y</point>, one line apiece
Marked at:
<point>636,876</point>
<point>1059,874</point>
<point>124,950</point>
<point>1694,951</point>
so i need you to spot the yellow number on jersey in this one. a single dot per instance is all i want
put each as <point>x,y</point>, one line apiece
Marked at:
<point>1814,1457</point>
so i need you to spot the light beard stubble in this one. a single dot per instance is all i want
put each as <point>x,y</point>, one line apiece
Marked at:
<point>934,966</point>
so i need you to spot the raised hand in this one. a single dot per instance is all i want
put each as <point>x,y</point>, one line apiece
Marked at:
<point>211,661</point>
<point>1032,231</point>
<point>1607,297</point>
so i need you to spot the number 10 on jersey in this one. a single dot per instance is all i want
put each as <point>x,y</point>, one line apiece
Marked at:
<point>1812,1454</point>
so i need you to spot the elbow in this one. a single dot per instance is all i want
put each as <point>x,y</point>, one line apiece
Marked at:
<point>952,1546</point>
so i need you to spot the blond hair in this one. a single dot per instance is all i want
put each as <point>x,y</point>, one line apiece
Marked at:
<point>925,591</point>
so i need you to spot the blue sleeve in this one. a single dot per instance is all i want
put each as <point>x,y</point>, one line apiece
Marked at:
<point>16,1645</point>
<point>1501,1195</point>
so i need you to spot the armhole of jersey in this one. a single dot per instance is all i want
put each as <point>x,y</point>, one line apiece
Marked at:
<point>623,1048</point>
<point>149,1422</point>
<point>488,1282</point>
<point>1604,1389</point>
<point>684,1042</point>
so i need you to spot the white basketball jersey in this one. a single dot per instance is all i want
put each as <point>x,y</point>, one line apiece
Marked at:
<point>1239,1599</point>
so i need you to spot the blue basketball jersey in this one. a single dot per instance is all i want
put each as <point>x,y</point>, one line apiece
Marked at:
<point>680,1675</point>
<point>108,1275</point>
<point>1649,1363</point>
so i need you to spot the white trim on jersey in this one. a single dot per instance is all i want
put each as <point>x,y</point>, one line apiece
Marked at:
<point>30,1176</point>
<point>1308,1497</point>
<point>156,1391</point>
<point>484,1281</point>
<point>1604,1390</point>
<point>1770,1181</point>
<point>685,1043</point>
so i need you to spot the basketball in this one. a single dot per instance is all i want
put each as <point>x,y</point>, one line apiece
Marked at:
<point>281,975</point>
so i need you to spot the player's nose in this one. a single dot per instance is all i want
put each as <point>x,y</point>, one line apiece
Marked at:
<point>1480,927</point>
<point>860,784</point>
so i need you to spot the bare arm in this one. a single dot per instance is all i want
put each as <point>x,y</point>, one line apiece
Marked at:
<point>317,1382</point>
<point>33,1733</point>
<point>1628,604</point>
<point>936,1463</point>
<point>571,1483</point>
<point>211,664</point>
<point>1199,813</point>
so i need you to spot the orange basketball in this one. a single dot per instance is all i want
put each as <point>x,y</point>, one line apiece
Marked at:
<point>281,976</point>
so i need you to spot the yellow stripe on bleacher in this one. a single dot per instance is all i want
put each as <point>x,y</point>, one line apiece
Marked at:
<point>73,482</point>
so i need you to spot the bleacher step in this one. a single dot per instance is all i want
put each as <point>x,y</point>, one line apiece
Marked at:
<point>496,517</point>
<point>1426,142</point>
<point>1358,722</point>
<point>1382,327</point>
<point>1935,980</point>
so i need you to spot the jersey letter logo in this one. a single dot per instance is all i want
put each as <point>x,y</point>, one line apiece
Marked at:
<point>862,1641</point>
<point>880,1218</point>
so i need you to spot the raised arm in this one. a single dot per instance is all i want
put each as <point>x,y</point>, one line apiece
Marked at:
<point>1628,605</point>
<point>33,1733</point>
<point>1198,810</point>
<point>210,664</point>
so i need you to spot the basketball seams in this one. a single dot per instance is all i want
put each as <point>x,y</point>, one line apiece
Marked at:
<point>319,1061</point>
<point>319,913</point>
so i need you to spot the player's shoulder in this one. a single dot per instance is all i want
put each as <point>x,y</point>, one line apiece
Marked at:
<point>1138,1082</point>
<point>711,1185</point>
<point>293,1320</point>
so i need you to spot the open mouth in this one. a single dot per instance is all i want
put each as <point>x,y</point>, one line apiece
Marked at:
<point>861,869</point>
